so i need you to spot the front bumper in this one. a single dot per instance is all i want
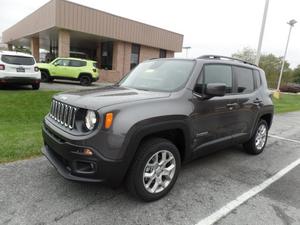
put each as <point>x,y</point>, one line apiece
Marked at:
<point>94,79</point>
<point>70,162</point>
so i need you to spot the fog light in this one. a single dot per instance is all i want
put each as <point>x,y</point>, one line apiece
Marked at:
<point>87,152</point>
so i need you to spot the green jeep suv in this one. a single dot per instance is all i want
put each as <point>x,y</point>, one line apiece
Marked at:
<point>70,69</point>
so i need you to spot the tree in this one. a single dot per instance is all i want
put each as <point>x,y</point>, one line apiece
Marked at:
<point>247,54</point>
<point>22,49</point>
<point>270,63</point>
<point>296,74</point>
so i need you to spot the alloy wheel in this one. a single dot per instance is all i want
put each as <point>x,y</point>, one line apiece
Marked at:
<point>159,171</point>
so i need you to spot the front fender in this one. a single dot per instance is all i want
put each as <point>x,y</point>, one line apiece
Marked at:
<point>151,126</point>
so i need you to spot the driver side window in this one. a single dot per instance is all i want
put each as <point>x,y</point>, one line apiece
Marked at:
<point>62,62</point>
<point>214,73</point>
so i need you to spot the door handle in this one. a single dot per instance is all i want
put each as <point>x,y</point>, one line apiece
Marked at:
<point>231,106</point>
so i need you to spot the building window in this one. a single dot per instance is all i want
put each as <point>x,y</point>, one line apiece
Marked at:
<point>162,53</point>
<point>135,55</point>
<point>106,55</point>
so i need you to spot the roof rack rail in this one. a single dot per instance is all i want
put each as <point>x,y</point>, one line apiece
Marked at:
<point>220,57</point>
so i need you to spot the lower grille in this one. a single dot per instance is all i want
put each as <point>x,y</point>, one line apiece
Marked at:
<point>63,114</point>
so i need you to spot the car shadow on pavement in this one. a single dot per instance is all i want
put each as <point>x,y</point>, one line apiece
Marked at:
<point>12,87</point>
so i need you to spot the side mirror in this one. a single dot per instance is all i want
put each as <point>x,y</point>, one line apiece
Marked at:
<point>215,89</point>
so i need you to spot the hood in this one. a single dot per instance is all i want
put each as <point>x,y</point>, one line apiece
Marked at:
<point>42,65</point>
<point>106,96</point>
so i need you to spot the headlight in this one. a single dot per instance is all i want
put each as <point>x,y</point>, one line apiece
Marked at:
<point>90,119</point>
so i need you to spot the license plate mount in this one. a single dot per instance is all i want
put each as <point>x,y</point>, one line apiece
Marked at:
<point>20,69</point>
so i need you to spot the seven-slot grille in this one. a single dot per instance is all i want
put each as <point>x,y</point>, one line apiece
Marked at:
<point>62,113</point>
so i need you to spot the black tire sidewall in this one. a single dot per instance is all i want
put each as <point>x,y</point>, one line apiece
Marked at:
<point>85,80</point>
<point>44,76</point>
<point>150,151</point>
<point>35,86</point>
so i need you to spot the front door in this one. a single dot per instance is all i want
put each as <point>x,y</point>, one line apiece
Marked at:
<point>213,120</point>
<point>61,68</point>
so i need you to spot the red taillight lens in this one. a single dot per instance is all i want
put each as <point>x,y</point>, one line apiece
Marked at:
<point>2,67</point>
<point>36,69</point>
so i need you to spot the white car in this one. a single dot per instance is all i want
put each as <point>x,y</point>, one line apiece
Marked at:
<point>19,68</point>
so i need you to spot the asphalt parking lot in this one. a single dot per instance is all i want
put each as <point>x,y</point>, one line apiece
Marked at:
<point>32,192</point>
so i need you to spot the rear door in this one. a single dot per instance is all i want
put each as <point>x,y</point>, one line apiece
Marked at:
<point>76,67</point>
<point>249,101</point>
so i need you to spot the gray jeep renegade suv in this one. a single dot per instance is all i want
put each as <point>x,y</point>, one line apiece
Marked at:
<point>162,114</point>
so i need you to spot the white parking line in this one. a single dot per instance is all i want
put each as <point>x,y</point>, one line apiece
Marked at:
<point>225,210</point>
<point>285,139</point>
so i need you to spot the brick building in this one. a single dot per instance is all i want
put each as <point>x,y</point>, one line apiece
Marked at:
<point>67,29</point>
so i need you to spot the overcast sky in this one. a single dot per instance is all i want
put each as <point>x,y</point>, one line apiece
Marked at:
<point>209,26</point>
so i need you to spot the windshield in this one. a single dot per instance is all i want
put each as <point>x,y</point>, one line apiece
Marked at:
<point>159,75</point>
<point>17,60</point>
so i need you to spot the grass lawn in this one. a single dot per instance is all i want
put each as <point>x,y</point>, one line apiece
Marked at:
<point>21,113</point>
<point>287,103</point>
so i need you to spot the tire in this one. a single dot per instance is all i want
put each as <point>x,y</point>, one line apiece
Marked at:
<point>36,86</point>
<point>257,143</point>
<point>85,80</point>
<point>45,77</point>
<point>151,188</point>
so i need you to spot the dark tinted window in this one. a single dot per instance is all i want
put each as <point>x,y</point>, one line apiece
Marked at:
<point>17,60</point>
<point>245,83</point>
<point>77,63</point>
<point>106,55</point>
<point>135,55</point>
<point>199,85</point>
<point>162,53</point>
<point>257,78</point>
<point>219,74</point>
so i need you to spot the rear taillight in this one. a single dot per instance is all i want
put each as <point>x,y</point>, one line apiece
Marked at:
<point>36,69</point>
<point>94,70</point>
<point>2,67</point>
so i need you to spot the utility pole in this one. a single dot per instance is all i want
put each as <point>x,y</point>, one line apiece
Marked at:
<point>262,30</point>
<point>291,23</point>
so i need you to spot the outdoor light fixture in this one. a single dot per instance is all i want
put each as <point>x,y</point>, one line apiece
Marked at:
<point>186,49</point>
<point>292,22</point>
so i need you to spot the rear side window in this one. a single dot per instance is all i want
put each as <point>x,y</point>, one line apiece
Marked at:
<point>257,79</point>
<point>218,74</point>
<point>244,77</point>
<point>17,60</point>
<point>77,63</point>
